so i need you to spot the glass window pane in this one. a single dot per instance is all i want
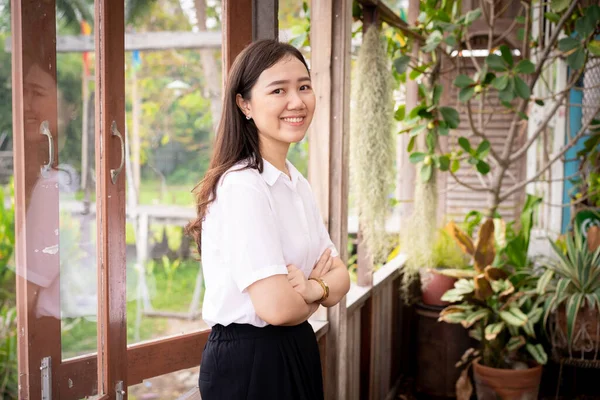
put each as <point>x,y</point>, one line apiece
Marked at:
<point>173,105</point>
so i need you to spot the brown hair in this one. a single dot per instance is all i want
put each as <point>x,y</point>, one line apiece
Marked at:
<point>237,138</point>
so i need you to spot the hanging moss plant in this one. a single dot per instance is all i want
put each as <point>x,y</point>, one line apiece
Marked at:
<point>418,233</point>
<point>372,144</point>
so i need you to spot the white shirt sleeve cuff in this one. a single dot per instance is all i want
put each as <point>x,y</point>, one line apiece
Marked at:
<point>254,276</point>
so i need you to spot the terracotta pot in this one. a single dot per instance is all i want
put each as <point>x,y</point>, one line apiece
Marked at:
<point>434,285</point>
<point>506,384</point>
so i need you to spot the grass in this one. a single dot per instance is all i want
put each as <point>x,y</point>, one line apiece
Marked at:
<point>79,334</point>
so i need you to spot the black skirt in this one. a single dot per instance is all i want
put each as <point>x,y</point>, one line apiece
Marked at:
<point>243,362</point>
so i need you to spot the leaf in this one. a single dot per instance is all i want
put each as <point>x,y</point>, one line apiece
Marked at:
<point>552,17</point>
<point>493,330</point>
<point>416,157</point>
<point>450,40</point>
<point>437,94</point>
<point>414,74</point>
<point>432,42</point>
<point>500,82</point>
<point>466,94</point>
<point>472,16</point>
<point>444,163</point>
<point>567,44</point>
<point>576,59</point>
<point>450,116</point>
<point>464,143</point>
<point>585,25</point>
<point>483,288</point>
<point>507,55</point>
<point>411,144</point>
<point>426,172</point>
<point>473,317</point>
<point>483,148</point>
<point>482,167</point>
<point>463,81</point>
<point>573,306</point>
<point>495,62</point>
<point>539,102</point>
<point>484,247</point>
<point>400,113</point>
<point>401,63</point>
<point>559,5</point>
<point>538,353</point>
<point>594,47</point>
<point>453,318</point>
<point>525,67</point>
<point>507,95</point>
<point>414,113</point>
<point>514,316</point>
<point>417,129</point>
<point>463,241</point>
<point>515,343</point>
<point>495,274</point>
<point>455,166</point>
<point>521,88</point>
<point>543,281</point>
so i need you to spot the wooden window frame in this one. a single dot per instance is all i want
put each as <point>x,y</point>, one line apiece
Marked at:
<point>78,377</point>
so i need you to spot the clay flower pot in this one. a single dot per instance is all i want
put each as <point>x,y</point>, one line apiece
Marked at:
<point>506,384</point>
<point>434,285</point>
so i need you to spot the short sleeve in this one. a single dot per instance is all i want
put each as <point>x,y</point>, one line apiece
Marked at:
<point>325,240</point>
<point>250,233</point>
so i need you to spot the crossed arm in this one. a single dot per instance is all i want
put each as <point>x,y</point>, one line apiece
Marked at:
<point>292,299</point>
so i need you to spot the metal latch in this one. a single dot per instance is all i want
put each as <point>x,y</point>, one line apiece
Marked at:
<point>46,369</point>
<point>119,391</point>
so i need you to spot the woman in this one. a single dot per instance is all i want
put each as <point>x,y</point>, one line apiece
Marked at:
<point>268,260</point>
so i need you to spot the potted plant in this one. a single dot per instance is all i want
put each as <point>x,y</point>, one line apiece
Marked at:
<point>571,286</point>
<point>502,312</point>
<point>449,263</point>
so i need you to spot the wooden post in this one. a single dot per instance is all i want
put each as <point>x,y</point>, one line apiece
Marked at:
<point>328,158</point>
<point>266,21</point>
<point>406,171</point>
<point>237,30</point>
<point>364,260</point>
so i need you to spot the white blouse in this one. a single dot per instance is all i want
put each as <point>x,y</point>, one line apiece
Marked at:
<point>258,224</point>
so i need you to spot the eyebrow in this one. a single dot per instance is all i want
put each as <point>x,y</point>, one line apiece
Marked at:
<point>283,82</point>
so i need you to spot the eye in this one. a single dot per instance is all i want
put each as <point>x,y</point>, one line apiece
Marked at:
<point>277,91</point>
<point>305,87</point>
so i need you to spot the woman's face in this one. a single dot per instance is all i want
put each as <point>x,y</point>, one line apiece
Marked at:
<point>282,103</point>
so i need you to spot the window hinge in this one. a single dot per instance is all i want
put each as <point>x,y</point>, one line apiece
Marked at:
<point>46,369</point>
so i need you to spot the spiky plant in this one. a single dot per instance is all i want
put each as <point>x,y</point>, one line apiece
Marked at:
<point>372,144</point>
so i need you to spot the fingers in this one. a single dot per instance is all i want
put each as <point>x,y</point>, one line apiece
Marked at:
<point>321,267</point>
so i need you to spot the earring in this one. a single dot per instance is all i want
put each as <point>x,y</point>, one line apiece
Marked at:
<point>248,117</point>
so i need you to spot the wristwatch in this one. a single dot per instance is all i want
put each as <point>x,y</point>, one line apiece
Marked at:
<point>325,289</point>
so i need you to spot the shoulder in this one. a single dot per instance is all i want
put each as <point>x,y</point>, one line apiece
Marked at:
<point>241,179</point>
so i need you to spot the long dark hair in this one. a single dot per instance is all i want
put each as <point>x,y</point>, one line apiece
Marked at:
<point>237,138</point>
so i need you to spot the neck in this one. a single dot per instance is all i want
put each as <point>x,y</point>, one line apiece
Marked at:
<point>275,153</point>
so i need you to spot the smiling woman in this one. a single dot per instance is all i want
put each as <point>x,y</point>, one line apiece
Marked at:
<point>268,259</point>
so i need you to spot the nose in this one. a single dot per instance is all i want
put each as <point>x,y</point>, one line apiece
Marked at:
<point>295,101</point>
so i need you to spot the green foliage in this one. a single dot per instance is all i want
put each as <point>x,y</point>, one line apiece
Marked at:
<point>372,142</point>
<point>571,280</point>
<point>8,352</point>
<point>444,29</point>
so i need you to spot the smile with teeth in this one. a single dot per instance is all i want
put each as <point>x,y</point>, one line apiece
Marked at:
<point>294,120</point>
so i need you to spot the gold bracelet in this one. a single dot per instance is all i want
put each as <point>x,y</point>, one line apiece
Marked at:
<point>325,289</point>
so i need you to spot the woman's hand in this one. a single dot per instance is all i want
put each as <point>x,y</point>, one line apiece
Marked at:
<point>310,290</point>
<point>322,266</point>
